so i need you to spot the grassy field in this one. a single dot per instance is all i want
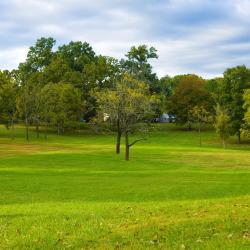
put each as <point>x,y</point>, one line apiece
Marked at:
<point>73,192</point>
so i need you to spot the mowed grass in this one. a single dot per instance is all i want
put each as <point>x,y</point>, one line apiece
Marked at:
<point>73,192</point>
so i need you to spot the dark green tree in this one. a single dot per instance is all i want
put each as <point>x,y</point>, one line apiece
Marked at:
<point>8,92</point>
<point>236,81</point>
<point>137,64</point>
<point>61,105</point>
<point>76,54</point>
<point>189,93</point>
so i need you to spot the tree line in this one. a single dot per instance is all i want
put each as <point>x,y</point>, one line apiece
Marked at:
<point>61,87</point>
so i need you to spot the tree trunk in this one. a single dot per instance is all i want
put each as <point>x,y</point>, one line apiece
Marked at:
<point>118,138</point>
<point>27,129</point>
<point>37,129</point>
<point>46,131</point>
<point>127,146</point>
<point>224,143</point>
<point>118,142</point>
<point>58,129</point>
<point>12,128</point>
<point>239,138</point>
<point>200,133</point>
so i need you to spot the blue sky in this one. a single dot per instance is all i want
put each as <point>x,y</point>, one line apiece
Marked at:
<point>191,36</point>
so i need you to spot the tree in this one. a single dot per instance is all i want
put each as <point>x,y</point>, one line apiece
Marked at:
<point>25,105</point>
<point>236,81</point>
<point>200,115</point>
<point>126,105</point>
<point>189,93</point>
<point>214,87</point>
<point>100,74</point>
<point>57,71</point>
<point>8,91</point>
<point>222,124</point>
<point>76,54</point>
<point>137,64</point>
<point>246,106</point>
<point>39,56</point>
<point>62,105</point>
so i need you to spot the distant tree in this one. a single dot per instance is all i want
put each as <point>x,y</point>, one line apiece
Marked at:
<point>102,73</point>
<point>8,92</point>
<point>200,115</point>
<point>222,124</point>
<point>137,64</point>
<point>76,54</point>
<point>109,105</point>
<point>236,81</point>
<point>214,87</point>
<point>39,56</point>
<point>189,93</point>
<point>26,107</point>
<point>166,86</point>
<point>246,126</point>
<point>61,105</point>
<point>126,105</point>
<point>59,71</point>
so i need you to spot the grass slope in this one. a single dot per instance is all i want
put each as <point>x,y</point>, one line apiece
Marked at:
<point>73,192</point>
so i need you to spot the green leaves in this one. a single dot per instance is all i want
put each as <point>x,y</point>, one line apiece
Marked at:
<point>61,104</point>
<point>189,93</point>
<point>236,80</point>
<point>222,124</point>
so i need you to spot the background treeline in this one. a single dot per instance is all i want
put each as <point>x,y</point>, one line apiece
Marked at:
<point>62,87</point>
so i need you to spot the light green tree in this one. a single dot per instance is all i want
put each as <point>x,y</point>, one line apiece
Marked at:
<point>222,124</point>
<point>200,115</point>
<point>126,105</point>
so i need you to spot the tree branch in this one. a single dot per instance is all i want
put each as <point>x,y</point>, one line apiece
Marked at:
<point>134,142</point>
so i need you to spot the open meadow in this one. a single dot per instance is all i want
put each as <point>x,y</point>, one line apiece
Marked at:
<point>73,192</point>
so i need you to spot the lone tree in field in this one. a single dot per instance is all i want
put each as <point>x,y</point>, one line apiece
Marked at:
<point>127,104</point>
<point>200,115</point>
<point>109,108</point>
<point>222,124</point>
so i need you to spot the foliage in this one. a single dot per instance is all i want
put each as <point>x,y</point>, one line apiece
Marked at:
<point>127,104</point>
<point>38,57</point>
<point>76,64</point>
<point>236,80</point>
<point>200,115</point>
<point>61,104</point>
<point>189,93</point>
<point>222,124</point>
<point>138,66</point>
<point>8,92</point>
<point>246,126</point>
<point>77,54</point>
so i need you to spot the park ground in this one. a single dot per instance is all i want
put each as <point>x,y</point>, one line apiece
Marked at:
<point>72,192</point>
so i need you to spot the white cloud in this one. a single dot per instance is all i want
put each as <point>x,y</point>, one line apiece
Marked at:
<point>191,36</point>
<point>10,58</point>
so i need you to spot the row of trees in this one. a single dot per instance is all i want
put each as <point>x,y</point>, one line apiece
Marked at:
<point>58,88</point>
<point>223,101</point>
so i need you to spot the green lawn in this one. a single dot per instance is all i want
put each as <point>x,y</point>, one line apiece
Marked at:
<point>73,192</point>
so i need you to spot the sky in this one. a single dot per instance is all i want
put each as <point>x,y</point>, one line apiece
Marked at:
<point>191,36</point>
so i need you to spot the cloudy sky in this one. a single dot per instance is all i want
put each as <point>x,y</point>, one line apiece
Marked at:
<point>191,36</point>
